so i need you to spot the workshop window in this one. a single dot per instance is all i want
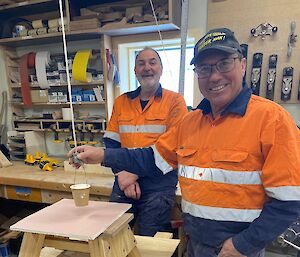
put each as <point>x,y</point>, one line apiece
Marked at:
<point>170,76</point>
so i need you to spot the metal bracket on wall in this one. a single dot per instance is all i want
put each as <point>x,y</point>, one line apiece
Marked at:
<point>292,38</point>
<point>263,30</point>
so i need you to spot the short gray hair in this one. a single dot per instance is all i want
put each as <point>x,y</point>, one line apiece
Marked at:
<point>151,49</point>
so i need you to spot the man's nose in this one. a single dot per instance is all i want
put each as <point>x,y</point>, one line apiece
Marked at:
<point>147,66</point>
<point>215,74</point>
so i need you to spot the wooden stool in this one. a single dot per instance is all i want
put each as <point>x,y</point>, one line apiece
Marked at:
<point>117,240</point>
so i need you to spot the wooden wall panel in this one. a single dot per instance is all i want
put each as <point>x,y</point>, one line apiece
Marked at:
<point>241,16</point>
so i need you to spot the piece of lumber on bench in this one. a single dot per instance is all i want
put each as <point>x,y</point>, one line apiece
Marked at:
<point>148,247</point>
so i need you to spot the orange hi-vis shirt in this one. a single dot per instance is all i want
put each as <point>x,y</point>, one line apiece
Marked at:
<point>230,166</point>
<point>134,127</point>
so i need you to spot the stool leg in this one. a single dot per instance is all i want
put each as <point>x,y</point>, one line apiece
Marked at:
<point>134,253</point>
<point>31,245</point>
<point>121,244</point>
<point>98,248</point>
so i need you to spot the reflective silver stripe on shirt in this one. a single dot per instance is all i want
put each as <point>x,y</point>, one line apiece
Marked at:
<point>284,193</point>
<point>220,175</point>
<point>221,214</point>
<point>160,161</point>
<point>159,129</point>
<point>112,135</point>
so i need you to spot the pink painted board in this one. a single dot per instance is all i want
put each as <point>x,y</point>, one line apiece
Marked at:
<point>79,223</point>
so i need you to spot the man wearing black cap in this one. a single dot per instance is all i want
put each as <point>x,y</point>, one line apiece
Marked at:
<point>237,158</point>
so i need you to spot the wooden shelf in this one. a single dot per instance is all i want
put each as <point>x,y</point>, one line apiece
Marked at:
<point>50,38</point>
<point>62,126</point>
<point>94,83</point>
<point>48,130</point>
<point>60,120</point>
<point>63,104</point>
<point>138,28</point>
<point>30,4</point>
<point>128,29</point>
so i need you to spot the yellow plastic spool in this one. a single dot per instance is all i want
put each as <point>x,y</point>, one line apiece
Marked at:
<point>79,67</point>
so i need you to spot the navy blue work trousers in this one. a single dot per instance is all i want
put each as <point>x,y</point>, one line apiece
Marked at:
<point>152,211</point>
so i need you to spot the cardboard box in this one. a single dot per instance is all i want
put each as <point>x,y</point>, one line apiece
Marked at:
<point>39,96</point>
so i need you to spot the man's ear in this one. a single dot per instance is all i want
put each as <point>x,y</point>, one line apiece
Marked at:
<point>244,65</point>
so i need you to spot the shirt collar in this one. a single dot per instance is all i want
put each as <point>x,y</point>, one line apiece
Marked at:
<point>238,105</point>
<point>135,93</point>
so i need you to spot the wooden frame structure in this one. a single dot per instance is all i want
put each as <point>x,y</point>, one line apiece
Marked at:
<point>116,241</point>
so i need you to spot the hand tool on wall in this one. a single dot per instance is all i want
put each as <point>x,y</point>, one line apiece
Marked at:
<point>287,82</point>
<point>271,76</point>
<point>292,39</point>
<point>256,72</point>
<point>263,30</point>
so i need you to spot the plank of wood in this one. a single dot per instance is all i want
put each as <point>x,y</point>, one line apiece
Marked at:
<point>9,235</point>
<point>148,247</point>
<point>158,247</point>
<point>163,235</point>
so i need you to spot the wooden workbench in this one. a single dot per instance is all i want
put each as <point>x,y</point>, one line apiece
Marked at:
<point>29,183</point>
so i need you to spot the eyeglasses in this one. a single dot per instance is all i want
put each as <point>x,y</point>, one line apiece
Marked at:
<point>222,66</point>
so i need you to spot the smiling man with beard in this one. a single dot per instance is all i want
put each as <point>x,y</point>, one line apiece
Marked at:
<point>237,156</point>
<point>138,119</point>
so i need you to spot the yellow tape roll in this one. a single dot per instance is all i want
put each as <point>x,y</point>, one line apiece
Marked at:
<point>79,67</point>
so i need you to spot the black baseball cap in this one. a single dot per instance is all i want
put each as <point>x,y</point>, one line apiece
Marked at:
<point>221,39</point>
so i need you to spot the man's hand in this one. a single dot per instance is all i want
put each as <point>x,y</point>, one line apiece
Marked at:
<point>125,179</point>
<point>87,154</point>
<point>133,191</point>
<point>228,250</point>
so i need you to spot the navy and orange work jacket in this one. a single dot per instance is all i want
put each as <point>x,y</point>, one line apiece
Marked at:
<point>132,126</point>
<point>239,173</point>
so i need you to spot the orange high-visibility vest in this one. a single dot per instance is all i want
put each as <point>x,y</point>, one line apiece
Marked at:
<point>230,166</point>
<point>134,127</point>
